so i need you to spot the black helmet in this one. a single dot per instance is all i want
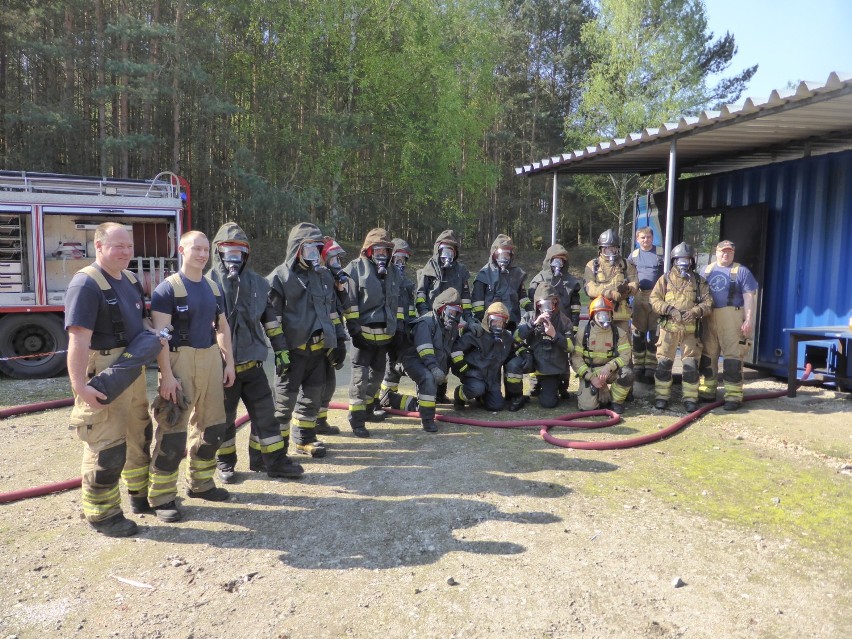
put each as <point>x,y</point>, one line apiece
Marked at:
<point>608,238</point>
<point>683,258</point>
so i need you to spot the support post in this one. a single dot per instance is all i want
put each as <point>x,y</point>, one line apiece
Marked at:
<point>670,204</point>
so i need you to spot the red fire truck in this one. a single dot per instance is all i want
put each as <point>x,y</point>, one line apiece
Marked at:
<point>47,224</point>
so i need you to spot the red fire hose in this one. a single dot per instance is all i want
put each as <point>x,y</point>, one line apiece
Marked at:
<point>569,420</point>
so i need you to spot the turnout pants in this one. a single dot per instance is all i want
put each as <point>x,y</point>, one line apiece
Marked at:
<point>116,440</point>
<point>266,445</point>
<point>690,351</point>
<point>723,336</point>
<point>426,389</point>
<point>475,386</point>
<point>298,393</point>
<point>368,369</point>
<point>199,431</point>
<point>328,389</point>
<point>645,333</point>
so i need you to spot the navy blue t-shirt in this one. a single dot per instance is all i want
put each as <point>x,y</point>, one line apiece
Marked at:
<point>204,308</point>
<point>86,306</point>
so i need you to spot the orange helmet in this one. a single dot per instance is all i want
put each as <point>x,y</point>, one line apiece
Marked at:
<point>600,303</point>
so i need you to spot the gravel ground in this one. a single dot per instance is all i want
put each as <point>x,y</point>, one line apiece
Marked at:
<point>738,526</point>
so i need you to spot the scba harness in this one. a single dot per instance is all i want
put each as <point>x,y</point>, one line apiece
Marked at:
<point>180,320</point>
<point>118,328</point>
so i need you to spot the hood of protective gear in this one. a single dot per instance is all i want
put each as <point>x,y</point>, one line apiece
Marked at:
<point>446,237</point>
<point>557,250</point>
<point>401,246</point>
<point>228,232</point>
<point>544,292</point>
<point>495,308</point>
<point>377,236</point>
<point>448,297</point>
<point>299,234</point>
<point>502,241</point>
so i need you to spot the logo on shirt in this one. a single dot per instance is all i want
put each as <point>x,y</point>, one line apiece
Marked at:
<point>718,282</point>
<point>138,306</point>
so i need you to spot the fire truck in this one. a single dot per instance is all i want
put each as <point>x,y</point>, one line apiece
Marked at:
<point>47,224</point>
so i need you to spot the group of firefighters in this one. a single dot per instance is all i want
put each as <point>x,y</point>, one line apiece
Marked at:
<point>210,335</point>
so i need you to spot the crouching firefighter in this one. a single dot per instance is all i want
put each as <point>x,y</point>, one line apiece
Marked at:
<point>371,319</point>
<point>303,296</point>
<point>191,376</point>
<point>681,298</point>
<point>601,360</point>
<point>426,358</point>
<point>478,357</point>
<point>544,343</point>
<point>252,319</point>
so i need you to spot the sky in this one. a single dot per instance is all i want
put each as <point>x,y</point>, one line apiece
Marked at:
<point>789,40</point>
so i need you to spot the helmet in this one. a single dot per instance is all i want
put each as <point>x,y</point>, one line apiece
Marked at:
<point>683,258</point>
<point>600,311</point>
<point>608,238</point>
<point>332,256</point>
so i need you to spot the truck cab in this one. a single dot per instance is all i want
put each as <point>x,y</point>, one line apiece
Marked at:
<point>47,224</point>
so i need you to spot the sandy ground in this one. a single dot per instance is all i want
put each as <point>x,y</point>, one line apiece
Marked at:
<point>738,526</point>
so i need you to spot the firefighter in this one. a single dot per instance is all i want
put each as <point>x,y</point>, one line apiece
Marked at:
<point>104,312</point>
<point>500,281</point>
<point>252,320</point>
<point>371,319</point>
<point>426,358</point>
<point>649,263</point>
<point>478,357</point>
<point>610,275</point>
<point>332,256</point>
<point>544,345</point>
<point>554,271</point>
<point>442,272</point>
<point>405,314</point>
<point>729,327</point>
<point>191,368</point>
<point>681,298</point>
<point>601,360</point>
<point>303,295</point>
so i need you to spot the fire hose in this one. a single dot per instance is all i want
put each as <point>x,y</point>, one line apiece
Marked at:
<point>569,420</point>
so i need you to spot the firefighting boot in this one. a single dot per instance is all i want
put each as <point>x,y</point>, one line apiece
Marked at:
<point>278,464</point>
<point>459,400</point>
<point>115,526</point>
<point>375,412</point>
<point>515,403</point>
<point>357,419</point>
<point>324,428</point>
<point>305,438</point>
<point>139,504</point>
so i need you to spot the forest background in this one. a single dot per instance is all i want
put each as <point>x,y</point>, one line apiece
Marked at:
<point>405,114</point>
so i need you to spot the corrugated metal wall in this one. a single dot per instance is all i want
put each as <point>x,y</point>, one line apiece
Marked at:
<point>808,274</point>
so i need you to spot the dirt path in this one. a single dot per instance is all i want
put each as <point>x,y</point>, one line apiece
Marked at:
<point>739,526</point>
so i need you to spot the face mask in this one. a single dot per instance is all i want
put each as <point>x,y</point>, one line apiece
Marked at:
<point>380,259</point>
<point>446,255</point>
<point>333,265</point>
<point>496,324</point>
<point>451,316</point>
<point>233,259</point>
<point>682,264</point>
<point>546,308</point>
<point>603,318</point>
<point>503,258</point>
<point>556,265</point>
<point>399,261</point>
<point>310,256</point>
<point>610,253</point>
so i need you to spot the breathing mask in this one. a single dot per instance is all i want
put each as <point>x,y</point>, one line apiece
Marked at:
<point>683,265</point>
<point>446,255</point>
<point>379,255</point>
<point>333,264</point>
<point>503,257</point>
<point>399,261</point>
<point>546,307</point>
<point>451,315</point>
<point>603,318</point>
<point>556,266</point>
<point>496,324</point>
<point>233,256</point>
<point>309,256</point>
<point>610,253</point>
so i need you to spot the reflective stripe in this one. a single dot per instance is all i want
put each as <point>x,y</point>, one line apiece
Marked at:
<point>304,423</point>
<point>247,366</point>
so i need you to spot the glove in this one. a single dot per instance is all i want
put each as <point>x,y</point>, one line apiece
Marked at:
<point>282,362</point>
<point>604,396</point>
<point>337,355</point>
<point>475,328</point>
<point>688,316</point>
<point>624,289</point>
<point>613,295</point>
<point>439,375</point>
<point>168,413</point>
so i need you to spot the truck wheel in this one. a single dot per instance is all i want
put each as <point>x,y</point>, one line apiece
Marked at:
<point>32,334</point>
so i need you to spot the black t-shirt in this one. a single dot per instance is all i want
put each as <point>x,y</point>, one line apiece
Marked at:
<point>86,306</point>
<point>204,308</point>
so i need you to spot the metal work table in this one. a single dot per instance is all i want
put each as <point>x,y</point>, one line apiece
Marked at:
<point>818,334</point>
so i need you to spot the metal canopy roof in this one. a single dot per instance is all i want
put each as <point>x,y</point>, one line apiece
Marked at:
<point>811,119</point>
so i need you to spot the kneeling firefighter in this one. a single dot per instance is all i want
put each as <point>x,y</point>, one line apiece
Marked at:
<point>601,360</point>
<point>252,319</point>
